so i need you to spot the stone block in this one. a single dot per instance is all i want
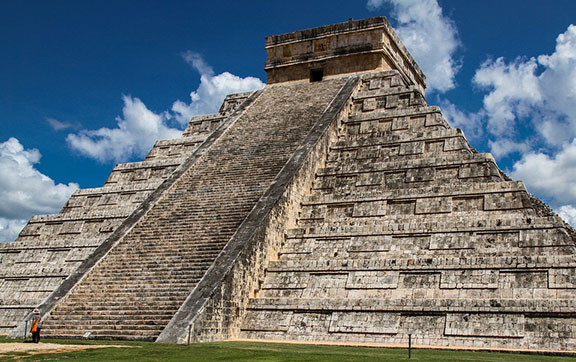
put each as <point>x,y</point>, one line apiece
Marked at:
<point>511,280</point>
<point>447,241</point>
<point>372,280</point>
<point>326,286</point>
<point>562,278</point>
<point>370,179</point>
<point>419,280</point>
<point>370,208</point>
<point>309,325</point>
<point>370,243</point>
<point>363,322</point>
<point>469,279</point>
<point>262,320</point>
<point>368,153</point>
<point>455,143</point>
<point>368,104</point>
<point>485,325</point>
<point>286,280</point>
<point>420,174</point>
<point>532,238</point>
<point>503,201</point>
<point>411,148</point>
<point>400,207</point>
<point>434,205</point>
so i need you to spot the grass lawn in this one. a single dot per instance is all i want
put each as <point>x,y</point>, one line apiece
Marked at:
<point>262,352</point>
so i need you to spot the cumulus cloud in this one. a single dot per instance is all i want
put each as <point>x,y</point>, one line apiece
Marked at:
<point>502,147</point>
<point>568,213</point>
<point>137,130</point>
<point>25,191</point>
<point>541,89</point>
<point>139,127</point>
<point>212,90</point>
<point>514,92</point>
<point>550,176</point>
<point>529,109</point>
<point>431,38</point>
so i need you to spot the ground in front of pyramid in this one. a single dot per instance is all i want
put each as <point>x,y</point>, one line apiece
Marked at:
<point>334,206</point>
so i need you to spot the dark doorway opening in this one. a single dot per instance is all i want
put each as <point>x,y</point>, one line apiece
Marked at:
<point>316,75</point>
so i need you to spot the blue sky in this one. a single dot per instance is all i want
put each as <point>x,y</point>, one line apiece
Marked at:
<point>84,85</point>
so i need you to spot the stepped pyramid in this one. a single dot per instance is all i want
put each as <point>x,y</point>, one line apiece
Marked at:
<point>334,205</point>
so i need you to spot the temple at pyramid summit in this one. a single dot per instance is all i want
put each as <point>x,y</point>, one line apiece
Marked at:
<point>334,205</point>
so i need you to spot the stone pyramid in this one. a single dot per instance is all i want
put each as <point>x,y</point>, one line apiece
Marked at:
<point>334,205</point>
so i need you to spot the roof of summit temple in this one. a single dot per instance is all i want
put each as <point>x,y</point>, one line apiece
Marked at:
<point>349,47</point>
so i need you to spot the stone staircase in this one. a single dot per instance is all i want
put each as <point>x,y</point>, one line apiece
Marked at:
<point>51,247</point>
<point>134,291</point>
<point>408,230</point>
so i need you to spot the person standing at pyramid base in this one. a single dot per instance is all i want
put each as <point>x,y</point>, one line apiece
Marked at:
<point>36,326</point>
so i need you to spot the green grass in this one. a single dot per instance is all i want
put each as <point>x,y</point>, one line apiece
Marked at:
<point>264,352</point>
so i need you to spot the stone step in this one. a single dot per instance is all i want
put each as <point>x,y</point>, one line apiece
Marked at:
<point>425,263</point>
<point>423,305</point>
<point>424,162</point>
<point>455,189</point>
<point>430,224</point>
<point>367,140</point>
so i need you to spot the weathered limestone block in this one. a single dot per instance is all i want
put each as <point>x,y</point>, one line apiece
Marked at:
<point>562,278</point>
<point>370,208</point>
<point>368,104</point>
<point>419,280</point>
<point>461,240</point>
<point>485,325</point>
<point>499,241</point>
<point>475,170</point>
<point>466,204</point>
<point>326,286</point>
<point>286,280</point>
<point>544,237</point>
<point>420,174</point>
<point>267,321</point>
<point>370,243</point>
<point>527,280</point>
<point>313,212</point>
<point>371,126</point>
<point>434,205</point>
<point>411,148</point>
<point>400,207</point>
<point>455,143</point>
<point>370,179</point>
<point>297,246</point>
<point>504,201</point>
<point>469,279</point>
<point>308,326</point>
<point>372,280</point>
<point>361,322</point>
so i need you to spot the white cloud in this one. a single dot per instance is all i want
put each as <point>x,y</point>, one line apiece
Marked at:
<point>25,191</point>
<point>431,38</point>
<point>568,213</point>
<point>59,125</point>
<point>137,130</point>
<point>503,147</point>
<point>139,127</point>
<point>212,90</point>
<point>541,88</point>
<point>551,177</point>
<point>514,91</point>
